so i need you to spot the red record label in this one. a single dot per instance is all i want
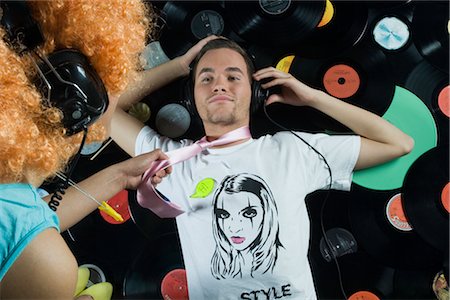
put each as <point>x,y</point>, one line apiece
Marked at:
<point>174,285</point>
<point>341,81</point>
<point>444,101</point>
<point>119,202</point>
<point>396,215</point>
<point>363,295</point>
<point>445,197</point>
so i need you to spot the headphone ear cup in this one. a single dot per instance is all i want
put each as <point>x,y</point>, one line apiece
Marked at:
<point>188,96</point>
<point>259,96</point>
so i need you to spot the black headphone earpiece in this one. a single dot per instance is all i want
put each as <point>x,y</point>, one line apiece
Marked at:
<point>76,89</point>
<point>66,77</point>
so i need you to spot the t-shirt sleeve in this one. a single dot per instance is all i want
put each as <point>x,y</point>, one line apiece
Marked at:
<point>341,153</point>
<point>149,140</point>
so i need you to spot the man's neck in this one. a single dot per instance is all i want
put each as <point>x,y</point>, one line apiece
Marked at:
<point>213,132</point>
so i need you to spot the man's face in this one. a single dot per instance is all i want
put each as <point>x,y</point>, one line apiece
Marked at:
<point>222,89</point>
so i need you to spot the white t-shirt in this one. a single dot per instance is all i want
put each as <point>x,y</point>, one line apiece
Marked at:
<point>245,230</point>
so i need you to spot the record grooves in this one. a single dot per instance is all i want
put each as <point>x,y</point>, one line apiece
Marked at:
<point>426,205</point>
<point>345,30</point>
<point>158,258</point>
<point>253,19</point>
<point>383,241</point>
<point>360,76</point>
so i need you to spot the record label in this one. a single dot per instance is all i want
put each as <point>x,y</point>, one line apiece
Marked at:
<point>285,63</point>
<point>445,197</point>
<point>327,15</point>
<point>341,81</point>
<point>396,215</point>
<point>444,101</point>
<point>274,7</point>
<point>174,285</point>
<point>391,33</point>
<point>119,203</point>
<point>363,295</point>
<point>205,23</point>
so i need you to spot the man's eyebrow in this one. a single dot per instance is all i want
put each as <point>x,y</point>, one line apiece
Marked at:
<point>211,70</point>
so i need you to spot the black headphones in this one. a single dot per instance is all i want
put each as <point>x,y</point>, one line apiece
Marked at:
<point>259,96</point>
<point>66,76</point>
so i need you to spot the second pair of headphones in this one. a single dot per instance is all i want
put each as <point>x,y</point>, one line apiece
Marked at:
<point>66,78</point>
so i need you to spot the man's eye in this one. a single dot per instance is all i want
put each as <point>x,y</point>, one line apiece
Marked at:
<point>233,78</point>
<point>249,213</point>
<point>206,79</point>
<point>222,213</point>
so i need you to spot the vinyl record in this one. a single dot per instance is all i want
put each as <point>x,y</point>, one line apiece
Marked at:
<point>280,23</point>
<point>362,275</point>
<point>381,229</point>
<point>426,197</point>
<point>148,223</point>
<point>431,84</point>
<point>109,244</point>
<point>408,113</point>
<point>345,29</point>
<point>414,284</point>
<point>360,76</point>
<point>160,261</point>
<point>431,32</point>
<point>187,22</point>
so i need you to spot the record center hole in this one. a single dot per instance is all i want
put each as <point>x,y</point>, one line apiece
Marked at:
<point>341,80</point>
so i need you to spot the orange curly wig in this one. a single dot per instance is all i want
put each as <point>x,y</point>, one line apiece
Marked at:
<point>112,34</point>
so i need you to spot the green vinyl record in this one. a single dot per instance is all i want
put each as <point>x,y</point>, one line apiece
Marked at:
<point>412,116</point>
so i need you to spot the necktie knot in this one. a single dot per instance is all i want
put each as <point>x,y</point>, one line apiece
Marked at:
<point>146,194</point>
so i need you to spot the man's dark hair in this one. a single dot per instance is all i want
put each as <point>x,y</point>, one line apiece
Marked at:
<point>221,43</point>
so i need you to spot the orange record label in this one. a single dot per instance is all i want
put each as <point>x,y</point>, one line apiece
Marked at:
<point>445,197</point>
<point>119,202</point>
<point>444,101</point>
<point>363,295</point>
<point>285,63</point>
<point>327,15</point>
<point>396,215</point>
<point>341,81</point>
<point>174,285</point>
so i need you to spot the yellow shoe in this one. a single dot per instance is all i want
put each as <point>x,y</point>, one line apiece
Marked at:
<point>99,291</point>
<point>83,278</point>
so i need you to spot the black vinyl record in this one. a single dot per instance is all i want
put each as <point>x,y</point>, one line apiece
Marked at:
<point>426,195</point>
<point>187,22</point>
<point>391,32</point>
<point>360,76</point>
<point>160,257</point>
<point>148,222</point>
<point>277,23</point>
<point>431,33</point>
<point>428,83</point>
<point>360,273</point>
<point>380,228</point>
<point>414,284</point>
<point>345,29</point>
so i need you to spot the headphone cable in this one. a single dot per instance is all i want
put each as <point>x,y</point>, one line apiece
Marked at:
<point>322,209</point>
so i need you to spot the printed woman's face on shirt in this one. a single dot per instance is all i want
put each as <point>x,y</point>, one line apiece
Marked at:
<point>240,217</point>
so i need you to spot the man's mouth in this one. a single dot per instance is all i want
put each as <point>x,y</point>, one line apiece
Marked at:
<point>220,98</point>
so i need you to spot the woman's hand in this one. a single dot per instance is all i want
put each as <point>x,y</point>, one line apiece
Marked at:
<point>293,91</point>
<point>135,167</point>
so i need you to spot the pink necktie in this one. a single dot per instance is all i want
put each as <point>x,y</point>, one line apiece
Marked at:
<point>148,197</point>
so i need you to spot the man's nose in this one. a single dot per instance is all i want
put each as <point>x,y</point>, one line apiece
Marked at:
<point>220,85</point>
